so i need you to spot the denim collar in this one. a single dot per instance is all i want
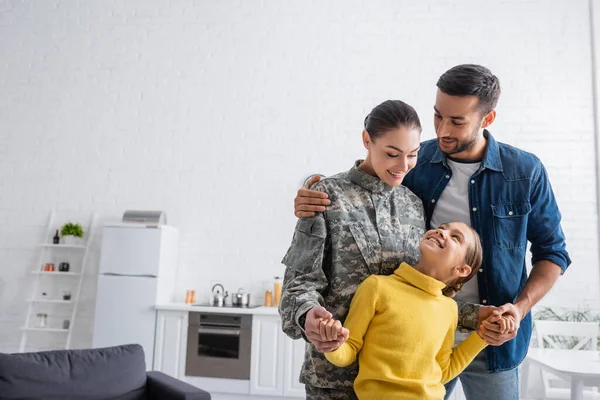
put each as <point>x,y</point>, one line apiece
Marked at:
<point>491,159</point>
<point>371,183</point>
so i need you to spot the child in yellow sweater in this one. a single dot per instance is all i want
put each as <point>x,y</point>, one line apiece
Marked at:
<point>402,326</point>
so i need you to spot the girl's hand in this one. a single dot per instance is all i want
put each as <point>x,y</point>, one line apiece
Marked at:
<point>332,329</point>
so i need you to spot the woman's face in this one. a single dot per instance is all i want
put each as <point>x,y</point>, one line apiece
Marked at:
<point>393,154</point>
<point>445,249</point>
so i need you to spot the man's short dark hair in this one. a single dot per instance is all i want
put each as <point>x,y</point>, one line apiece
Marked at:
<point>472,80</point>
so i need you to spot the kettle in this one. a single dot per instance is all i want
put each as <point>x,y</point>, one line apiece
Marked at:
<point>240,299</point>
<point>218,295</point>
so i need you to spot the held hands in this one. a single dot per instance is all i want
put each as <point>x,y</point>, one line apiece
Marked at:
<point>498,325</point>
<point>324,332</point>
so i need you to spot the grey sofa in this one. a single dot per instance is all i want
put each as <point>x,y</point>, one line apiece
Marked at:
<point>115,373</point>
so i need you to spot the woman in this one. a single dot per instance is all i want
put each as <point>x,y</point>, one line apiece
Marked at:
<point>372,225</point>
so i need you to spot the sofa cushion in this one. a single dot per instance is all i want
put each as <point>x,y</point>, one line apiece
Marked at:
<point>108,373</point>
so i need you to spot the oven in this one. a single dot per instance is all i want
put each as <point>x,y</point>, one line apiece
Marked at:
<point>219,345</point>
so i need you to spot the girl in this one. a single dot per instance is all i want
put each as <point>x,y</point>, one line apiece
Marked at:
<point>402,326</point>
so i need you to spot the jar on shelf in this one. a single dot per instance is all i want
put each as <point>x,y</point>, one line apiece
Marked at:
<point>42,320</point>
<point>277,286</point>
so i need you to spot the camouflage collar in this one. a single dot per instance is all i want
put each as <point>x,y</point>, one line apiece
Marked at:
<point>419,280</point>
<point>366,181</point>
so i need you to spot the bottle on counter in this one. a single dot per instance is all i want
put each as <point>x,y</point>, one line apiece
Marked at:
<point>277,286</point>
<point>56,238</point>
<point>190,297</point>
<point>268,298</point>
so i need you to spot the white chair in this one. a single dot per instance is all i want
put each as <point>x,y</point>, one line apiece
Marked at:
<point>553,334</point>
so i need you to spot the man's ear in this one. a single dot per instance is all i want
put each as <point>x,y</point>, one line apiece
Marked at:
<point>488,119</point>
<point>463,270</point>
<point>366,139</point>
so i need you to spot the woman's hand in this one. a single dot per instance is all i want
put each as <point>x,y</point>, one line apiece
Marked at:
<point>319,334</point>
<point>308,202</point>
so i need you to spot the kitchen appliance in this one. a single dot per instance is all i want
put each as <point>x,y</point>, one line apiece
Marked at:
<point>226,305</point>
<point>137,270</point>
<point>218,295</point>
<point>219,345</point>
<point>148,218</point>
<point>240,299</point>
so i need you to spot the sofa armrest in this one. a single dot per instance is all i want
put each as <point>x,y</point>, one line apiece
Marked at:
<point>160,386</point>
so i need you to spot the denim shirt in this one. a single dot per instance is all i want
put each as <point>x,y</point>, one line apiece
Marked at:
<point>511,202</point>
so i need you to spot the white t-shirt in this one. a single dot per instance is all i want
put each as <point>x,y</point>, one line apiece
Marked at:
<point>453,206</point>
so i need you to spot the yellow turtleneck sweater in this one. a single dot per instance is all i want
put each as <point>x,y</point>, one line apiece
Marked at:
<point>402,328</point>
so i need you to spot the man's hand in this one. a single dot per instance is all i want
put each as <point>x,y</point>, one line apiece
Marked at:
<point>308,202</point>
<point>501,326</point>
<point>318,335</point>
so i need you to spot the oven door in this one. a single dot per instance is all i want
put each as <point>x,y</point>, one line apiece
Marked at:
<point>219,345</point>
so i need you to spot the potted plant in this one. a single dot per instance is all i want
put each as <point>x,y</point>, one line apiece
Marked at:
<point>71,233</point>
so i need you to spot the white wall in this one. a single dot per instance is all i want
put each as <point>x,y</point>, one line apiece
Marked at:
<point>216,111</point>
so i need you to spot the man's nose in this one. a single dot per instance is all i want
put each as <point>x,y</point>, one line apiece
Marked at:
<point>442,129</point>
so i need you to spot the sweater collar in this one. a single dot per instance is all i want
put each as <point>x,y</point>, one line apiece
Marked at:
<point>419,280</point>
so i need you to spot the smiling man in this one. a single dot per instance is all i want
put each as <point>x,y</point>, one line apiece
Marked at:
<point>504,193</point>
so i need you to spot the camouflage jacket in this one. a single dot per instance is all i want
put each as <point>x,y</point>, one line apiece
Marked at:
<point>369,228</point>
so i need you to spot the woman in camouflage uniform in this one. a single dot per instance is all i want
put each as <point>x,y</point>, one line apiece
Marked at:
<point>372,225</point>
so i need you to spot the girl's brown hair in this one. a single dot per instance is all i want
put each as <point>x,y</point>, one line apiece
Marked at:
<point>473,258</point>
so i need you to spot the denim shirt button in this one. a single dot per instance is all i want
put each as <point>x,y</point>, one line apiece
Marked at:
<point>472,181</point>
<point>480,269</point>
<point>433,200</point>
<point>474,208</point>
<point>484,301</point>
<point>447,176</point>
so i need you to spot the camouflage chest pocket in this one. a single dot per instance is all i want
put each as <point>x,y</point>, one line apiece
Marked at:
<point>367,245</point>
<point>308,245</point>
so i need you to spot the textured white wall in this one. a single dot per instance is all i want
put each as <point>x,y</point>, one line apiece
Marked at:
<point>216,111</point>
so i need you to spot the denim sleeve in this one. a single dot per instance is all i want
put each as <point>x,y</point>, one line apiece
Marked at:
<point>543,225</point>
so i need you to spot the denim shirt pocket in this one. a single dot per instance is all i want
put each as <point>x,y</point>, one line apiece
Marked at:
<point>510,225</point>
<point>366,250</point>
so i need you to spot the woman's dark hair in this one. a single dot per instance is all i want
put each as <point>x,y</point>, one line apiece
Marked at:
<point>472,80</point>
<point>391,114</point>
<point>473,258</point>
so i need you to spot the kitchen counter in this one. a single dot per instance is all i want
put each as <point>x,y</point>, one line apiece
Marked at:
<point>226,310</point>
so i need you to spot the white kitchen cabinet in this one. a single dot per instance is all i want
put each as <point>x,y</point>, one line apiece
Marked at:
<point>294,357</point>
<point>276,359</point>
<point>170,342</point>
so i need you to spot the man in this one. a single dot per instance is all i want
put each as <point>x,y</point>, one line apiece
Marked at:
<point>504,193</point>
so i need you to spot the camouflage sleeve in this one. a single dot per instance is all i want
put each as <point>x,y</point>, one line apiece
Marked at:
<point>304,278</point>
<point>468,315</point>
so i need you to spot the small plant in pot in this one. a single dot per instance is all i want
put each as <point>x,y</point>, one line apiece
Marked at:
<point>71,233</point>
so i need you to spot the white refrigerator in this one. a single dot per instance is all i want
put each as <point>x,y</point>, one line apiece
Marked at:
<point>138,266</point>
